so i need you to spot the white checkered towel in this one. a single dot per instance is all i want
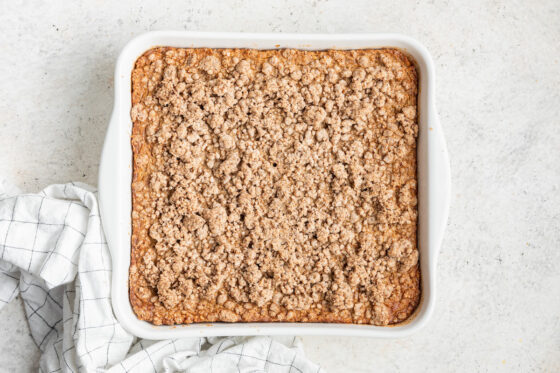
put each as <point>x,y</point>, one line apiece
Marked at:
<point>53,252</point>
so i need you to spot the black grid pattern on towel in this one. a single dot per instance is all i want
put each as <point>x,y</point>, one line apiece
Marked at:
<point>44,237</point>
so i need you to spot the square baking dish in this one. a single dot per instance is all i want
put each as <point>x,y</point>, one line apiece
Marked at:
<point>115,175</point>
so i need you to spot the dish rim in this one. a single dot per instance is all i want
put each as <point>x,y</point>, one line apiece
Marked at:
<point>115,176</point>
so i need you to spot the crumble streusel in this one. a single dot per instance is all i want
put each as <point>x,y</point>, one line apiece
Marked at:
<point>274,185</point>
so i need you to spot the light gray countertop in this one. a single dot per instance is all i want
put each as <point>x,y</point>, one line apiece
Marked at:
<point>498,96</point>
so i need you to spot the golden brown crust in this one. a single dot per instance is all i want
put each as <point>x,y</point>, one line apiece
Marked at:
<point>229,255</point>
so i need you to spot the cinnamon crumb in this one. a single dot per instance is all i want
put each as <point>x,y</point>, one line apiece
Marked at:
<point>274,186</point>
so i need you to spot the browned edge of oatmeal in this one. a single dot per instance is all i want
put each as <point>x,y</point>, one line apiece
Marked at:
<point>363,281</point>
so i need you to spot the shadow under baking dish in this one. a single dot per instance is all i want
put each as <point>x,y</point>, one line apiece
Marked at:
<point>116,172</point>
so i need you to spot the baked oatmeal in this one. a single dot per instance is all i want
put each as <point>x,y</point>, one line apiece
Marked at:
<point>274,185</point>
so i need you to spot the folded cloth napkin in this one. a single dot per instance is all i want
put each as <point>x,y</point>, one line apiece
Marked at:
<point>53,252</point>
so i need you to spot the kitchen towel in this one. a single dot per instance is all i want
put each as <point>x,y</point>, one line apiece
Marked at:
<point>53,253</point>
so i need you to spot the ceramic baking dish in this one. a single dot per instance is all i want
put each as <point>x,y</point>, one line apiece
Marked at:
<point>115,175</point>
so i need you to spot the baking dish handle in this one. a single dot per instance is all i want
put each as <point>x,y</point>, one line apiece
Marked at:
<point>108,182</point>
<point>440,180</point>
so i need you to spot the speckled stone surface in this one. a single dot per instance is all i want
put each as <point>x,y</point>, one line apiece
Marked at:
<point>498,79</point>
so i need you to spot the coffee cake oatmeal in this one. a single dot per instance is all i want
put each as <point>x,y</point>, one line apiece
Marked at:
<point>274,186</point>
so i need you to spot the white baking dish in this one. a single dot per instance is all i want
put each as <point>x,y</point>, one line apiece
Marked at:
<point>115,175</point>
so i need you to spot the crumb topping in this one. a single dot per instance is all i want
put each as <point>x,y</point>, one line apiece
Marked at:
<point>274,186</point>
